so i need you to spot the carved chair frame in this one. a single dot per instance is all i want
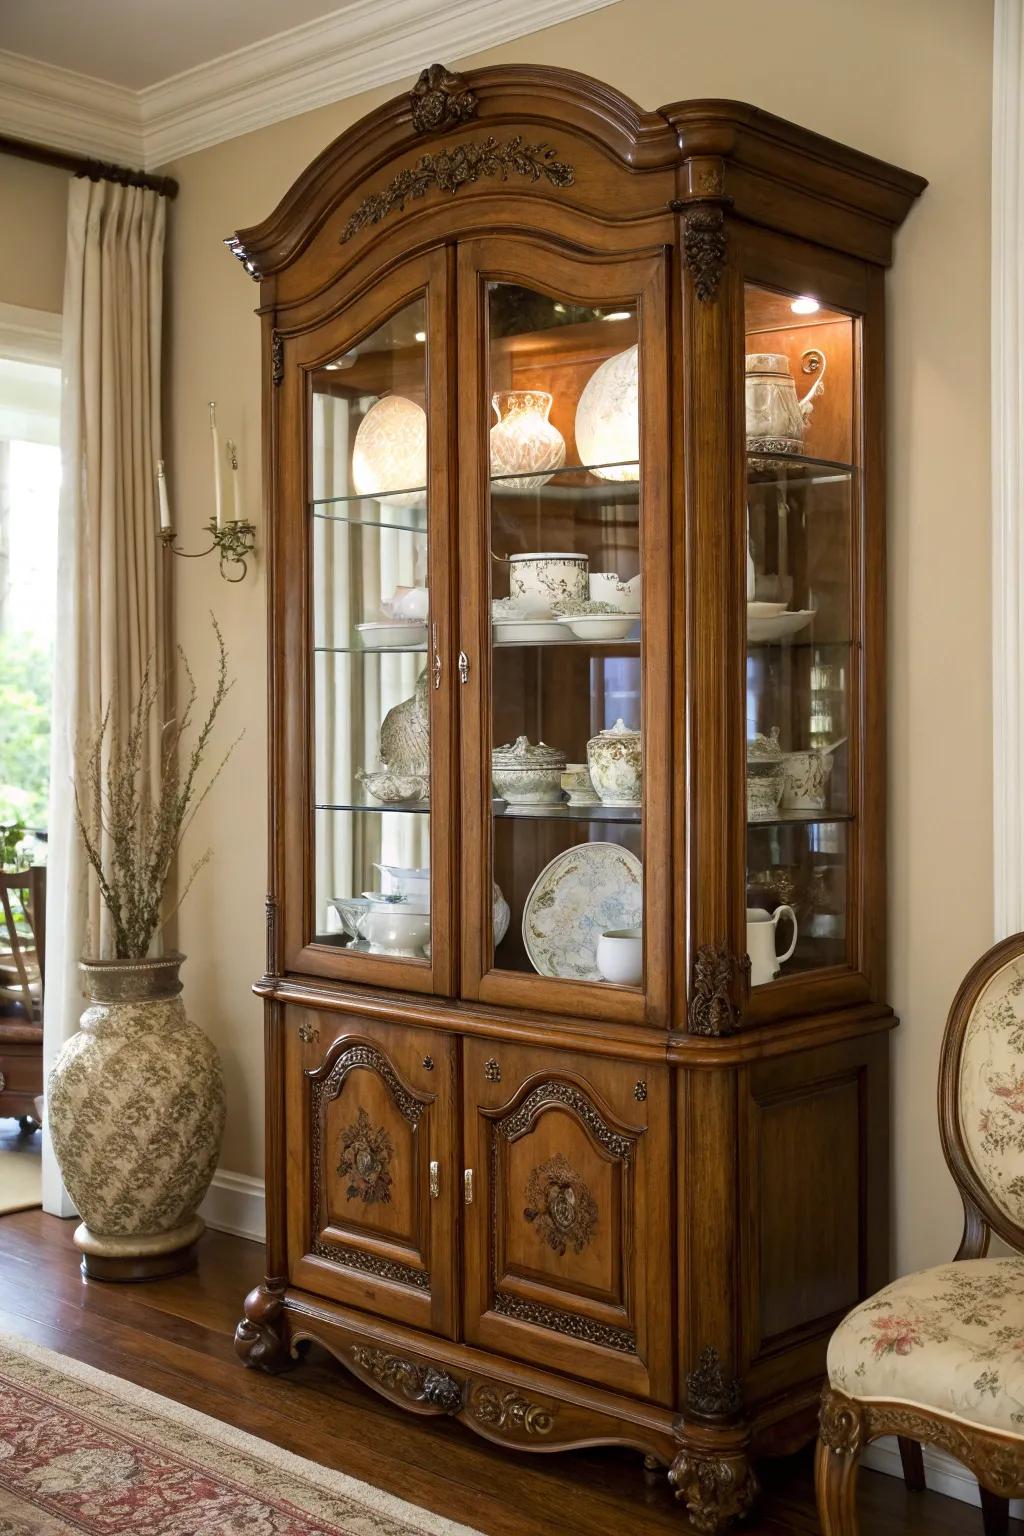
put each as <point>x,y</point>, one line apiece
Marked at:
<point>847,1424</point>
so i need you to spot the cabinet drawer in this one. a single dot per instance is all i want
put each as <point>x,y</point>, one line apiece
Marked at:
<point>371,1166</point>
<point>567,1213</point>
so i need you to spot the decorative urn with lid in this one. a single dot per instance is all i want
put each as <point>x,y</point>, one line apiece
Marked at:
<point>616,766</point>
<point>523,774</point>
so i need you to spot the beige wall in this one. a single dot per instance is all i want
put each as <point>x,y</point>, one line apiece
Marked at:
<point>909,82</point>
<point>33,219</point>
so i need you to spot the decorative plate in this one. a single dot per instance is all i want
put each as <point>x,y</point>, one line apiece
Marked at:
<point>581,894</point>
<point>781,627</point>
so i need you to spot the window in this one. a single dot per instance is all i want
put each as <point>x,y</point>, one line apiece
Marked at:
<point>29,491</point>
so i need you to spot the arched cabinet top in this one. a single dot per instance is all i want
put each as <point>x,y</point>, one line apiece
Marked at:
<point>557,135</point>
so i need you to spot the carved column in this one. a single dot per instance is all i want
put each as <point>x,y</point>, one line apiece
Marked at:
<point>712,1474</point>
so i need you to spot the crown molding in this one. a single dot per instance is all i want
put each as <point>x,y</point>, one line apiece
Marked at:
<point>365,44</point>
<point>69,111</point>
<point>368,43</point>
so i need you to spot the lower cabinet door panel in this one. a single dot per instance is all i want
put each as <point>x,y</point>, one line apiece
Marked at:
<point>567,1213</point>
<point>814,1159</point>
<point>372,1169</point>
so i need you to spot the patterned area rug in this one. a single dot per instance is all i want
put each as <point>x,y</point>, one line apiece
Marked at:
<point>81,1451</point>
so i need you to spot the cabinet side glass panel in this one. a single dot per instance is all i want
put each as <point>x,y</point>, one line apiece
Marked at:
<point>370,622</point>
<point>802,482</point>
<point>565,521</point>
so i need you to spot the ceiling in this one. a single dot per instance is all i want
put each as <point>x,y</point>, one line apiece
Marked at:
<point>135,43</point>
<point>144,83</point>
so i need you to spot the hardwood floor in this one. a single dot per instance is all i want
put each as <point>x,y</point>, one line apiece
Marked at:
<point>174,1336</point>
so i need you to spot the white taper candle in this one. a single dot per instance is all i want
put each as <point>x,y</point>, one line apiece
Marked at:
<point>217,493</point>
<point>161,491</point>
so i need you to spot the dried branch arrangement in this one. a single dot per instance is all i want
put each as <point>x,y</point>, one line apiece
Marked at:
<point>131,837</point>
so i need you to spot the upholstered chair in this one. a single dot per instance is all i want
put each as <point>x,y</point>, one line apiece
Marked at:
<point>937,1358</point>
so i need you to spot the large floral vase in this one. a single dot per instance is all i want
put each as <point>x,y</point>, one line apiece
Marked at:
<point>135,1107</point>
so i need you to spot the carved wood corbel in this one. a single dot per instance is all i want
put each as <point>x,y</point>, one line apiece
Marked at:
<point>702,207</point>
<point>721,987</point>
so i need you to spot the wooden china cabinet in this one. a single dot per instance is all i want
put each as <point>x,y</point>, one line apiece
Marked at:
<point>510,315</point>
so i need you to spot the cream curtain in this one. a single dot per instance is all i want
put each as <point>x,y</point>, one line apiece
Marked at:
<point>109,589</point>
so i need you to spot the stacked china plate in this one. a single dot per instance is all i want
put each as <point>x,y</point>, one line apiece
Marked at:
<point>518,622</point>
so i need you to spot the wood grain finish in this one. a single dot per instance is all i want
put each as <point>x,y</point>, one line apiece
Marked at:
<point>174,1337</point>
<point>624,1188</point>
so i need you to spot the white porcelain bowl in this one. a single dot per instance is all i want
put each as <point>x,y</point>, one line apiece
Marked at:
<point>396,634</point>
<point>620,956</point>
<point>397,880</point>
<point>527,631</point>
<point>600,626</point>
<point>395,929</point>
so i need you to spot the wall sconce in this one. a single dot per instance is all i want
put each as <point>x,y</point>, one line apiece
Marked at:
<point>234,538</point>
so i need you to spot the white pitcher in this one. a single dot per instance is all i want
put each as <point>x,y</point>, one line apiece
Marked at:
<point>761,942</point>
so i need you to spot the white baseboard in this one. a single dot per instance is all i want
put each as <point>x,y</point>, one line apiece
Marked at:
<point>942,1473</point>
<point>236,1203</point>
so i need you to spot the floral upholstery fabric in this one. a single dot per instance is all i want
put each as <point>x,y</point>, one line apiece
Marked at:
<point>950,1339</point>
<point>991,1089</point>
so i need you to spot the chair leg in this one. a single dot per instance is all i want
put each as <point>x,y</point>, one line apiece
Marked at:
<point>912,1458</point>
<point>995,1513</point>
<point>835,1478</point>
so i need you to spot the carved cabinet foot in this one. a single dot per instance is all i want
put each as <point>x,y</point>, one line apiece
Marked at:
<point>259,1337</point>
<point>716,1483</point>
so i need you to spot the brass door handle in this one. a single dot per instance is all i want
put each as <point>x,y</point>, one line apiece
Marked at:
<point>463,667</point>
<point>437,656</point>
<point>435,1180</point>
<point>467,1186</point>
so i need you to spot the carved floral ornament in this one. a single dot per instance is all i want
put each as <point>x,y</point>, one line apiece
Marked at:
<point>560,1206</point>
<point>449,169</point>
<point>440,99</point>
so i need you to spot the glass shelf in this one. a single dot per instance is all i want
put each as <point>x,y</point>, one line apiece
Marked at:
<point>370,517</point>
<point>802,819</point>
<point>793,643</point>
<point>575,643</point>
<point>626,814</point>
<point>399,807</point>
<point>370,650</point>
<point>572,483</point>
<point>794,469</point>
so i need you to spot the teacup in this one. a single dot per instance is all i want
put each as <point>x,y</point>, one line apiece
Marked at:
<point>606,587</point>
<point>762,943</point>
<point>620,956</point>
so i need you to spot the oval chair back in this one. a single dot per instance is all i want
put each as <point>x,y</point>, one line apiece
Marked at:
<point>981,1098</point>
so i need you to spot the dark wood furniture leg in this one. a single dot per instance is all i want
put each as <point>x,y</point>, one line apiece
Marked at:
<point>995,1513</point>
<point>912,1457</point>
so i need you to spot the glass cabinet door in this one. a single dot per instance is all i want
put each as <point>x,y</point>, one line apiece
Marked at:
<point>801,659</point>
<point>374,630</point>
<point>566,576</point>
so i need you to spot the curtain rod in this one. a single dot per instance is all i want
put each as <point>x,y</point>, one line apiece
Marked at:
<point>82,165</point>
